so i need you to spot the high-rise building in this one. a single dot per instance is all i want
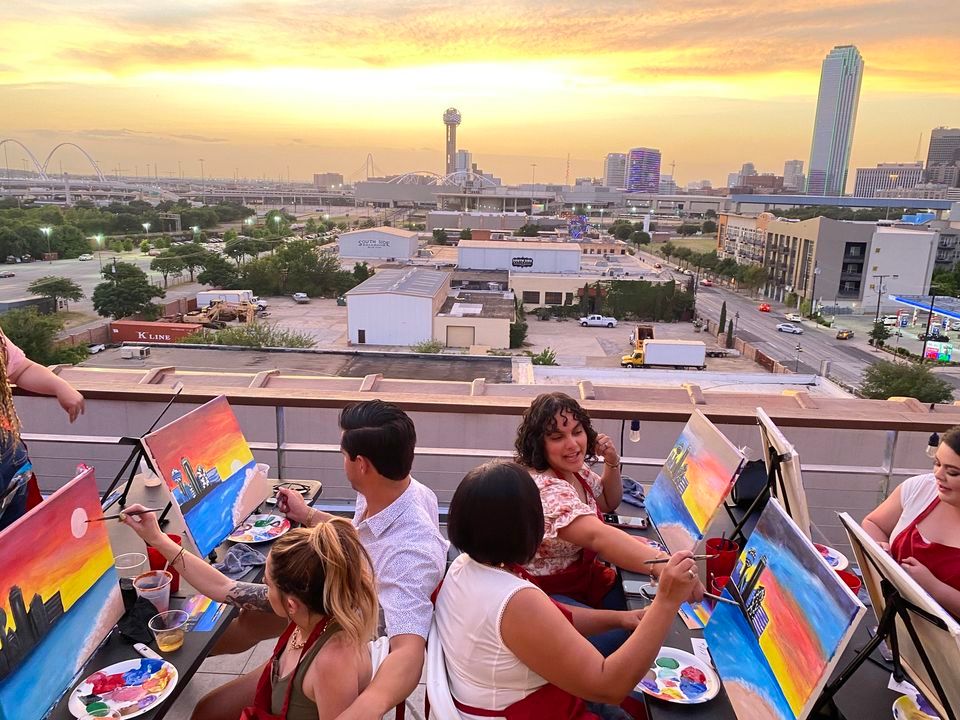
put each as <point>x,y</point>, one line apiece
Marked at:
<point>747,170</point>
<point>643,170</point>
<point>615,170</point>
<point>464,161</point>
<point>943,157</point>
<point>871,182</point>
<point>328,180</point>
<point>451,119</point>
<point>733,179</point>
<point>668,185</point>
<point>793,175</point>
<point>837,102</point>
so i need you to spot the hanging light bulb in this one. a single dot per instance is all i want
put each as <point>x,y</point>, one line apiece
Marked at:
<point>635,431</point>
<point>932,444</point>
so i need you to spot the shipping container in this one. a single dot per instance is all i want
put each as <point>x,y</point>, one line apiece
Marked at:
<point>151,332</point>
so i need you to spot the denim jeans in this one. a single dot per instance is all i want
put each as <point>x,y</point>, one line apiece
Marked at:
<point>13,456</point>
<point>606,642</point>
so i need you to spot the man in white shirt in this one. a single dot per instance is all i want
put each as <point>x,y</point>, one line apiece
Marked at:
<point>397,520</point>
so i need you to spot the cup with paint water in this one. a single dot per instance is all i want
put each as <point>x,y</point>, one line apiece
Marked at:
<point>717,584</point>
<point>155,587</point>
<point>128,566</point>
<point>725,552</point>
<point>168,629</point>
<point>851,580</point>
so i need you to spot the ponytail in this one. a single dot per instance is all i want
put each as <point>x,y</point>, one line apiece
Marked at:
<point>328,569</point>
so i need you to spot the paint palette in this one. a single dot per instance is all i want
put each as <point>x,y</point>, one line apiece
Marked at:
<point>835,559</point>
<point>131,687</point>
<point>679,677</point>
<point>908,707</point>
<point>260,528</point>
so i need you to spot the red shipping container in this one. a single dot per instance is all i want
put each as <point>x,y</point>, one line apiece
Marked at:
<point>150,332</point>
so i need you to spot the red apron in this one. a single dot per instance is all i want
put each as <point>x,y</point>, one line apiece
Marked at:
<point>588,580</point>
<point>941,560</point>
<point>262,708</point>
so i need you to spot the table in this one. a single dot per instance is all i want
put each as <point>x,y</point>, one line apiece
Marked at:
<point>196,645</point>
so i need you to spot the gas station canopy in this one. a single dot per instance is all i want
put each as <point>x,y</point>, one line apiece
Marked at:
<point>941,305</point>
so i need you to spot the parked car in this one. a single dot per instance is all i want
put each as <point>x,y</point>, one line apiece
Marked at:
<point>935,335</point>
<point>7,274</point>
<point>598,321</point>
<point>794,317</point>
<point>706,282</point>
<point>657,266</point>
<point>95,348</point>
<point>955,325</point>
<point>12,259</point>
<point>85,256</point>
<point>790,328</point>
<point>27,258</point>
<point>844,334</point>
<point>764,307</point>
<point>300,298</point>
<point>889,320</point>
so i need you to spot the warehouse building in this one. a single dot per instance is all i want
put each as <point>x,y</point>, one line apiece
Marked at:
<point>383,243</point>
<point>396,307</point>
<point>519,257</point>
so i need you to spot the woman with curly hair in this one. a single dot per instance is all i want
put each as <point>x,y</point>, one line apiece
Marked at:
<point>16,368</point>
<point>556,442</point>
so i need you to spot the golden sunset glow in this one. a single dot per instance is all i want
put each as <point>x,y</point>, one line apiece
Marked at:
<point>302,87</point>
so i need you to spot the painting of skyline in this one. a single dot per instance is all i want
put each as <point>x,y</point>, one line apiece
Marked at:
<point>694,481</point>
<point>59,598</point>
<point>209,469</point>
<point>775,649</point>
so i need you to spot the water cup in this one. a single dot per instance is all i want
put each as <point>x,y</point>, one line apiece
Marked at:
<point>717,584</point>
<point>159,562</point>
<point>168,629</point>
<point>155,587</point>
<point>851,580</point>
<point>726,552</point>
<point>128,566</point>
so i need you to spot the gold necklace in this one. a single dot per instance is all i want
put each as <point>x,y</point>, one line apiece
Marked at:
<point>296,639</point>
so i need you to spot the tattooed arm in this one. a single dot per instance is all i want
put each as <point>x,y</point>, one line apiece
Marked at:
<point>252,596</point>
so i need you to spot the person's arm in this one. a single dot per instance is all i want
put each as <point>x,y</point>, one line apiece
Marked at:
<point>332,680</point>
<point>612,544</point>
<point>292,504</point>
<point>41,380</point>
<point>612,494</point>
<point>206,579</point>
<point>881,521</point>
<point>947,596</point>
<point>589,622</point>
<point>544,641</point>
<point>396,678</point>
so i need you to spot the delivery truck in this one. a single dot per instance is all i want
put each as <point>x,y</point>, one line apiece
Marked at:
<point>229,296</point>
<point>668,353</point>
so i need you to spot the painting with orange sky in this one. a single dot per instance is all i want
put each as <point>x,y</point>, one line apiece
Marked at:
<point>207,465</point>
<point>695,479</point>
<point>59,598</point>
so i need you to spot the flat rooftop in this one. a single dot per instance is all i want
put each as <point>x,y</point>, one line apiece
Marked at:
<point>410,281</point>
<point>528,244</point>
<point>480,304</point>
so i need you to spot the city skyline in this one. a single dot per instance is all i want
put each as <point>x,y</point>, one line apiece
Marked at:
<point>299,88</point>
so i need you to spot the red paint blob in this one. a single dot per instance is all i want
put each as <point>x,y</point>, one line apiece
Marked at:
<point>102,684</point>
<point>693,674</point>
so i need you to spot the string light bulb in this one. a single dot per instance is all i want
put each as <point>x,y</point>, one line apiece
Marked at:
<point>635,431</point>
<point>932,444</point>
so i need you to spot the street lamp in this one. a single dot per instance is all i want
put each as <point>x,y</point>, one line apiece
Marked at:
<point>46,231</point>
<point>99,237</point>
<point>196,232</point>
<point>736,319</point>
<point>277,219</point>
<point>813,290</point>
<point>146,228</point>
<point>876,318</point>
<point>250,221</point>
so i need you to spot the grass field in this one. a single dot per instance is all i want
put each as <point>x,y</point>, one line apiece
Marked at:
<point>697,244</point>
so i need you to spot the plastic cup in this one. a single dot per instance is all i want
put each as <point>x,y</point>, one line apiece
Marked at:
<point>159,562</point>
<point>717,584</point>
<point>128,566</point>
<point>726,552</point>
<point>168,629</point>
<point>851,580</point>
<point>155,587</point>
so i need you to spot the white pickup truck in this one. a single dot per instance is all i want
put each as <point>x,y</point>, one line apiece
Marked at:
<point>598,321</point>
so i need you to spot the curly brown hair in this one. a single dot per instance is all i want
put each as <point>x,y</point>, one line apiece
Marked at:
<point>540,419</point>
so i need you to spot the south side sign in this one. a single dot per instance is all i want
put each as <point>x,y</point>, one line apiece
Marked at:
<point>522,262</point>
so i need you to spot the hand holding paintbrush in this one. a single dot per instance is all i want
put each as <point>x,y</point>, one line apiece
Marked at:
<point>125,514</point>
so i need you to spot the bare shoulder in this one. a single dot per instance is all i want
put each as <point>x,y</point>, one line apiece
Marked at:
<point>339,663</point>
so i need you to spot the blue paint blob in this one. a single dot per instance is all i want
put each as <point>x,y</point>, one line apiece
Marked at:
<point>137,676</point>
<point>692,689</point>
<point>652,686</point>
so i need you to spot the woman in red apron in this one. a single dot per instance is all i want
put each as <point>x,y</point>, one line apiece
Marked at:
<point>512,652</point>
<point>320,579</point>
<point>555,441</point>
<point>920,525</point>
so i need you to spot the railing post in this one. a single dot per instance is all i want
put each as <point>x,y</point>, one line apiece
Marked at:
<point>889,451</point>
<point>281,441</point>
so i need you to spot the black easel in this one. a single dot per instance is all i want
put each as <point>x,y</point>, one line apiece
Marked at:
<point>774,481</point>
<point>895,606</point>
<point>138,454</point>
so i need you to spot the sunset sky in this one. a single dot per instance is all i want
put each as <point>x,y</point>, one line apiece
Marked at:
<point>304,86</point>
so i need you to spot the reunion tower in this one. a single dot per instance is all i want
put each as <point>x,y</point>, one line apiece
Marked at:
<point>451,118</point>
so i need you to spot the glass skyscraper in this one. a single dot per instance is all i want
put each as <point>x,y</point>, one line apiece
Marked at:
<point>837,102</point>
<point>643,170</point>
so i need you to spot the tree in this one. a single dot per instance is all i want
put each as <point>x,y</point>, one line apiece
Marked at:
<point>36,334</point>
<point>751,277</point>
<point>688,229</point>
<point>218,272</point>
<point>466,234</point>
<point>886,379</point>
<point>622,232</point>
<point>730,334</point>
<point>57,288</point>
<point>879,333</point>
<point>518,328</point>
<point>167,263</point>
<point>639,237</point>
<point>528,230</point>
<point>440,236</point>
<point>126,291</point>
<point>361,272</point>
<point>144,246</point>
<point>723,315</point>
<point>192,256</point>
<point>709,227</point>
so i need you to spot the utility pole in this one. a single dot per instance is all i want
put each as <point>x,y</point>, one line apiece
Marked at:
<point>876,318</point>
<point>796,367</point>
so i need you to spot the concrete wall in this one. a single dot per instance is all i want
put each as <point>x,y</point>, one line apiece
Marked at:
<point>492,332</point>
<point>390,318</point>
<point>374,243</point>
<point>911,254</point>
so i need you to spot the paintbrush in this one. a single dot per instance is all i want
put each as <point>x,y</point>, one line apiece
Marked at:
<point>660,561</point>
<point>721,599</point>
<point>125,514</point>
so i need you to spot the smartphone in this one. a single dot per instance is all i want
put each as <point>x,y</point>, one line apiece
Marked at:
<point>628,521</point>
<point>633,587</point>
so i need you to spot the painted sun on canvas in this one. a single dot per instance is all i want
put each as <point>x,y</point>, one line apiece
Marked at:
<point>210,471</point>
<point>694,481</point>
<point>59,598</point>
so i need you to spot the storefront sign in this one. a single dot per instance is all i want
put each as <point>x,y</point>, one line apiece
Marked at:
<point>522,262</point>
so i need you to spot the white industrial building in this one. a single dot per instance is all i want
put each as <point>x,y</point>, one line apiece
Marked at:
<point>396,307</point>
<point>383,243</point>
<point>518,257</point>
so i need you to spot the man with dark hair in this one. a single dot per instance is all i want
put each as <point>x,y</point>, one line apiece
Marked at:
<point>398,523</point>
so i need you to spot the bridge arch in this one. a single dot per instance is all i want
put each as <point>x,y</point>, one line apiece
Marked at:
<point>93,163</point>
<point>36,163</point>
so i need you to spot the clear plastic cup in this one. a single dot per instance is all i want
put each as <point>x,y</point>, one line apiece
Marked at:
<point>168,628</point>
<point>155,587</point>
<point>128,566</point>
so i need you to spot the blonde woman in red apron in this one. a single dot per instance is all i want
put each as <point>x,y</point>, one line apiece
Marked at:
<point>512,652</point>
<point>919,523</point>
<point>556,442</point>
<point>320,579</point>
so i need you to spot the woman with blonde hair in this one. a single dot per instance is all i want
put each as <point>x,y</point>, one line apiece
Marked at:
<point>321,580</point>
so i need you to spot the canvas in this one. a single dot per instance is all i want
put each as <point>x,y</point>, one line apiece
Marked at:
<point>942,645</point>
<point>59,598</point>
<point>790,493</point>
<point>776,649</point>
<point>207,465</point>
<point>693,483</point>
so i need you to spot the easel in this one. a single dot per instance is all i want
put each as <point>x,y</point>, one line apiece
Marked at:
<point>774,482</point>
<point>137,455</point>
<point>895,606</point>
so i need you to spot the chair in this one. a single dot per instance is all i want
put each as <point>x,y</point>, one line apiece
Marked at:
<point>438,686</point>
<point>379,649</point>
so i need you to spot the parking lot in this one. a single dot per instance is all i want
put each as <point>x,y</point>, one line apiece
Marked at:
<point>321,318</point>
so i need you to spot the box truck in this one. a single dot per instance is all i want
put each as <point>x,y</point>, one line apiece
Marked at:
<point>229,296</point>
<point>668,353</point>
